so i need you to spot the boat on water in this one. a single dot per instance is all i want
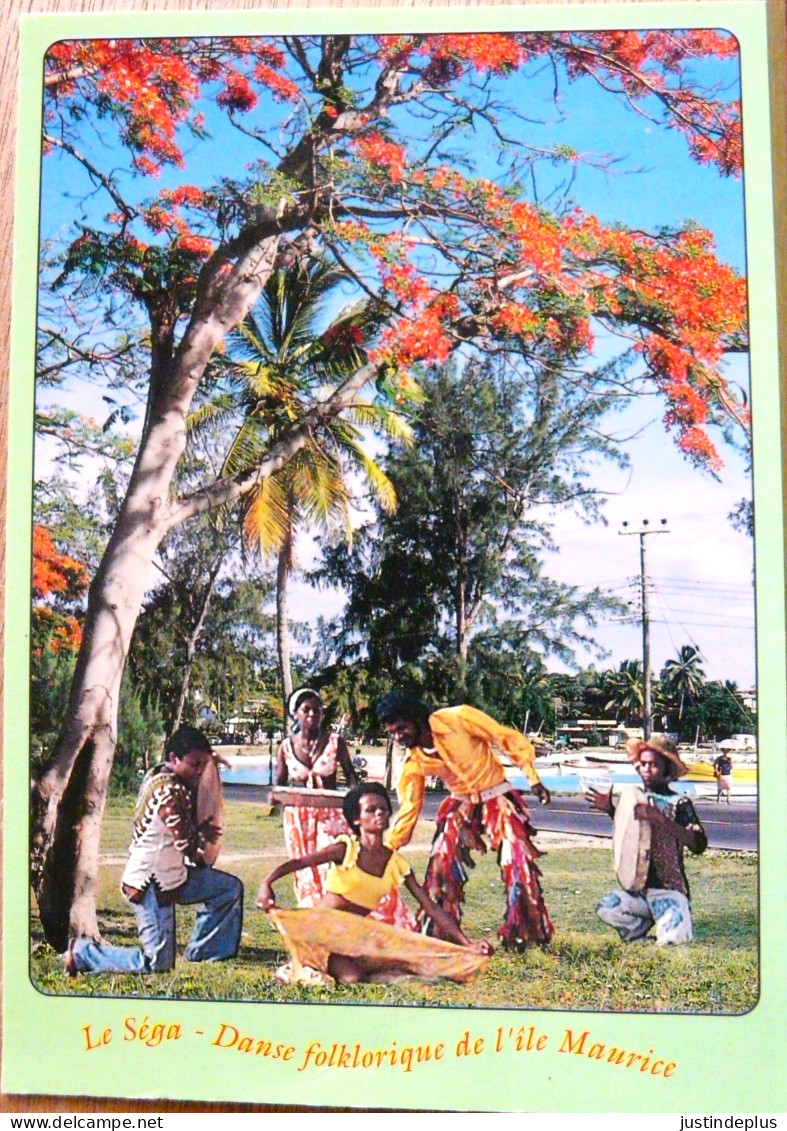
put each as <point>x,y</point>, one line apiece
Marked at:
<point>601,768</point>
<point>743,772</point>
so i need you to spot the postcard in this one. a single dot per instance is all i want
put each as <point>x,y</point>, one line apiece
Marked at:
<point>395,462</point>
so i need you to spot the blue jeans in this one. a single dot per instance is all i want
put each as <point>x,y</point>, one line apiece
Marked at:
<point>216,934</point>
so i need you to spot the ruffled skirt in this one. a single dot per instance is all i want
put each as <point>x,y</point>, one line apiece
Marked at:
<point>505,821</point>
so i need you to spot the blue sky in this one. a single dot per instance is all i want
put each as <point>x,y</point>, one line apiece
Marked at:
<point>702,569</point>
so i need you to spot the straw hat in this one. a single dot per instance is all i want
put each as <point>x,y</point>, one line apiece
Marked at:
<point>659,745</point>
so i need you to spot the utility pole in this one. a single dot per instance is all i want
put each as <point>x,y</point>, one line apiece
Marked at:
<point>643,532</point>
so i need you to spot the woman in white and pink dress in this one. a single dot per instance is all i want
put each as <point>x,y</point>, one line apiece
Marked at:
<point>308,759</point>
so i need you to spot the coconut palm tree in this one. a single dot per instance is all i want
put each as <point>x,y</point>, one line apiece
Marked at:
<point>626,690</point>
<point>279,359</point>
<point>683,679</point>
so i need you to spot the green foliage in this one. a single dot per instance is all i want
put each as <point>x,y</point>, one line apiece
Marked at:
<point>140,737</point>
<point>626,691</point>
<point>681,682</point>
<point>204,635</point>
<point>681,695</point>
<point>50,681</point>
<point>227,658</point>
<point>140,726</point>
<point>279,359</point>
<point>449,593</point>
<point>77,524</point>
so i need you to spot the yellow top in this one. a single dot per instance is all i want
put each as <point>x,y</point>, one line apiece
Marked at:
<point>463,758</point>
<point>347,879</point>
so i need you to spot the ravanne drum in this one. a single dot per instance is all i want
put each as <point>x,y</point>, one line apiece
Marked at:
<point>311,798</point>
<point>631,841</point>
<point>631,838</point>
<point>209,808</point>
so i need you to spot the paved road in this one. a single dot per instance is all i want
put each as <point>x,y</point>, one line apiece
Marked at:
<point>732,827</point>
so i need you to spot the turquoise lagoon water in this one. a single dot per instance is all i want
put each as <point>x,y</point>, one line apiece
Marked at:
<point>555,782</point>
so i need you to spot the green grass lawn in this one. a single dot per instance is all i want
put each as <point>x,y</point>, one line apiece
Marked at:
<point>585,967</point>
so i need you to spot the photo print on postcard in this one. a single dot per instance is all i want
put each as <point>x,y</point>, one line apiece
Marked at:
<point>395,440</point>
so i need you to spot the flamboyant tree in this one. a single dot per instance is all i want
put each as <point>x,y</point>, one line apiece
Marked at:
<point>398,158</point>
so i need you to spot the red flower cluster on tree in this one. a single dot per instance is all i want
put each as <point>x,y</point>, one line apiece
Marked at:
<point>197,245</point>
<point>188,195</point>
<point>237,93</point>
<point>56,577</point>
<point>382,154</point>
<point>54,572</point>
<point>422,336</point>
<point>162,217</point>
<point>553,276</point>
<point>151,86</point>
<point>697,445</point>
<point>538,278</point>
<point>644,67</point>
<point>282,88</point>
<point>497,53</point>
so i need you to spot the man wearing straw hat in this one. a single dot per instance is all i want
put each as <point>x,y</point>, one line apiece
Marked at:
<point>662,898</point>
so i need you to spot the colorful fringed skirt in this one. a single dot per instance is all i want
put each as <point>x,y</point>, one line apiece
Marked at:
<point>505,821</point>
<point>312,935</point>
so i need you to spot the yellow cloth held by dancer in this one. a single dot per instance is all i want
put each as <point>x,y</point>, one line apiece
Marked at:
<point>312,935</point>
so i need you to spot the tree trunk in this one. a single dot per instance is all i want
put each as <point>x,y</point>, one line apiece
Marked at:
<point>68,806</point>
<point>283,565</point>
<point>68,816</point>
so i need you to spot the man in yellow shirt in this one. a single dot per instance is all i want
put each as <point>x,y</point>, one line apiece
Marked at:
<point>458,744</point>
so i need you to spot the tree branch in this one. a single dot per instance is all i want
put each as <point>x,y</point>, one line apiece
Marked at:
<point>95,174</point>
<point>226,491</point>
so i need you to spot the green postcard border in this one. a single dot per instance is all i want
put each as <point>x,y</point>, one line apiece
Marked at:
<point>53,1046</point>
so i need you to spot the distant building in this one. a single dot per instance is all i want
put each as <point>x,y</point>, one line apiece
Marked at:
<point>749,700</point>
<point>579,733</point>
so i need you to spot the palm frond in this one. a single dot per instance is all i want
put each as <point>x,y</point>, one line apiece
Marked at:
<point>264,379</point>
<point>293,299</point>
<point>320,488</point>
<point>250,339</point>
<point>267,516</point>
<point>250,444</point>
<point>390,423</point>
<point>351,445</point>
<point>379,482</point>
<point>216,411</point>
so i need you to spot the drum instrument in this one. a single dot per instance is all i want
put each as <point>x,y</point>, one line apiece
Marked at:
<point>209,807</point>
<point>307,798</point>
<point>631,841</point>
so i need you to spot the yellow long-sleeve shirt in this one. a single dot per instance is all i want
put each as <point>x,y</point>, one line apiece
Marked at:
<point>464,759</point>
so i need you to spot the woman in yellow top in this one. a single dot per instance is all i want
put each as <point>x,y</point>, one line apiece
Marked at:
<point>458,744</point>
<point>363,869</point>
